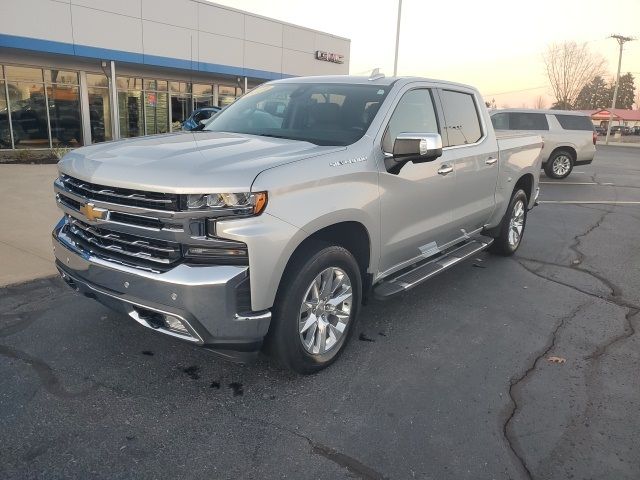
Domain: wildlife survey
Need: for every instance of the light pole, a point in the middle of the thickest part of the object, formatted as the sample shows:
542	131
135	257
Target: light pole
621	41
395	62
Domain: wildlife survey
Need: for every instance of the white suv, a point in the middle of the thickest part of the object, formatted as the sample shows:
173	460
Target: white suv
569	137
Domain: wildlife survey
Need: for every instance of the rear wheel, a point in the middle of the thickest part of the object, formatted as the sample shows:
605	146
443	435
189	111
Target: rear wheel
512	225
559	165
316	308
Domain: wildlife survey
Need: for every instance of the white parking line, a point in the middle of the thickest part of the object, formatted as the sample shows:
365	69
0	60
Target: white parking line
578	183
603	202
568	183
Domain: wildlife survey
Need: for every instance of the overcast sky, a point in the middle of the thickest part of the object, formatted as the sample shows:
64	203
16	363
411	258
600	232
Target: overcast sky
496	45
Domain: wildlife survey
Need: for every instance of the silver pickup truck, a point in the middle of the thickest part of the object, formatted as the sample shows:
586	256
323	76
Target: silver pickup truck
268	227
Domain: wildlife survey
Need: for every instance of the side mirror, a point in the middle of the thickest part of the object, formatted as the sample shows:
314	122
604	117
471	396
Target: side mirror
413	147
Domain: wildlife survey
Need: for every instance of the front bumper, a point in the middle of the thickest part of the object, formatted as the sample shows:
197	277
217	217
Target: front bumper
201	300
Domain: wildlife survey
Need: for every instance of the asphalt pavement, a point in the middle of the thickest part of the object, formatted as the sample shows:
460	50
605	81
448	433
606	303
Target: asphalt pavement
505	368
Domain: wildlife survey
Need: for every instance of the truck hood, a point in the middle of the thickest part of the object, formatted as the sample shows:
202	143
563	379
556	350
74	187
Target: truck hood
185	162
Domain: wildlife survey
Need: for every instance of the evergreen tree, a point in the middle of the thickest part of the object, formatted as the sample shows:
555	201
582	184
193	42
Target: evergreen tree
626	92
594	95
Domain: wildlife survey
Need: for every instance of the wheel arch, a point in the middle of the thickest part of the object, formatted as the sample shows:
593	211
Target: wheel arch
525	182
571	149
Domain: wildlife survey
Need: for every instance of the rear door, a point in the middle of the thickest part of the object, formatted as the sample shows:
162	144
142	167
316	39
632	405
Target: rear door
474	154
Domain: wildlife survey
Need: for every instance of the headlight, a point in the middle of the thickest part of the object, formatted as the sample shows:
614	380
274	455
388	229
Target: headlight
245	203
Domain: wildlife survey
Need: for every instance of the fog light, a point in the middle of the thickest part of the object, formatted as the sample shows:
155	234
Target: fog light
215	252
174	324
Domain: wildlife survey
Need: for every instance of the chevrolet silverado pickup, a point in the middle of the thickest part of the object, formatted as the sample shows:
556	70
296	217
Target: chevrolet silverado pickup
268	227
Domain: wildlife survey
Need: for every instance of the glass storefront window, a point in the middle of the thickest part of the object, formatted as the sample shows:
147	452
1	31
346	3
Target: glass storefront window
181	109
156	111
99	107
202	95
5	131
227	95
130	111
150	84
181	87
200	90
129	83
97	80
99	114
23	73
28	111
64	115
60	76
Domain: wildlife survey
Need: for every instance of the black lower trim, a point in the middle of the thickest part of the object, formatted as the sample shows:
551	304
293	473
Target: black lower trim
582	162
237	352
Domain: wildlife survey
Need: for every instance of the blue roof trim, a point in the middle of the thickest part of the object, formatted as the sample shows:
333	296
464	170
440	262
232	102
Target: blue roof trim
108	54
49	46
12	41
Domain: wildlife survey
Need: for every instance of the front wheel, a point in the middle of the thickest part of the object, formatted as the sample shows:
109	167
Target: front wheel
512	225
559	165
316	308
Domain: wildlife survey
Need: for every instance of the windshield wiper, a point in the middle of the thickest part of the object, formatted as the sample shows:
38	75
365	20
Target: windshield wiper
273	135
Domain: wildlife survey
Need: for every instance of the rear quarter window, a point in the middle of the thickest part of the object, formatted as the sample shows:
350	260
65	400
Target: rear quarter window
500	121
575	122
520	121
528	121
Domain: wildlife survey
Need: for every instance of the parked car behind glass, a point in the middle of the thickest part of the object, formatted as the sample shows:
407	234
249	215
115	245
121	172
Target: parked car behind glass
569	137
198	116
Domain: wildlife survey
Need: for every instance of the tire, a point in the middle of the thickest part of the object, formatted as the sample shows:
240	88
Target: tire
504	243
559	165
296	308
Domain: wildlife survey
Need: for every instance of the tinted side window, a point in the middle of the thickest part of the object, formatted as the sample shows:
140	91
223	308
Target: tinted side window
461	115
575	122
414	113
500	121
528	121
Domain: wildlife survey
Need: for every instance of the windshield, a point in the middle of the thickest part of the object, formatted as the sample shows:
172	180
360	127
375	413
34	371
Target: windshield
323	114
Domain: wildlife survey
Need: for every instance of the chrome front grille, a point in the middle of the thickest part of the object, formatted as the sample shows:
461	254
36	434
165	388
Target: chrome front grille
111	223
133	249
121	196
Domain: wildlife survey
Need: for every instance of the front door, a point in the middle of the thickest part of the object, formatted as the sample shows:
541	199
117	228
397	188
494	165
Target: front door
416	217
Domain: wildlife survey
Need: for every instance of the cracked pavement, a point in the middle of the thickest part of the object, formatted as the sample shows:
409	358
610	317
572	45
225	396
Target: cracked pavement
451	380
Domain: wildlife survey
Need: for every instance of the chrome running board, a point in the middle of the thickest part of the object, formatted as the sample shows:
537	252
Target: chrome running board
421	272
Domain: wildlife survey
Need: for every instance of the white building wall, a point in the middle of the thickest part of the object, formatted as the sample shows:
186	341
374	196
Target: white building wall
193	32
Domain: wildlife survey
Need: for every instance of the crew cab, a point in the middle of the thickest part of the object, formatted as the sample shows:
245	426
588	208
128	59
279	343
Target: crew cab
267	228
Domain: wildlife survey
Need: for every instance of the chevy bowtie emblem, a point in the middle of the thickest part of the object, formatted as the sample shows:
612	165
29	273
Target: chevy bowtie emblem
93	213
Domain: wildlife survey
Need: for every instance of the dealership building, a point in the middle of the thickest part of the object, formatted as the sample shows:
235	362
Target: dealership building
76	72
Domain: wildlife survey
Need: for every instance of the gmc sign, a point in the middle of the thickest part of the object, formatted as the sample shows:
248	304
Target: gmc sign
329	57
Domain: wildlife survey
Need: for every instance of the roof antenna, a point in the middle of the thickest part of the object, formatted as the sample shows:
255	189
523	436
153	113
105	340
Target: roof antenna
375	75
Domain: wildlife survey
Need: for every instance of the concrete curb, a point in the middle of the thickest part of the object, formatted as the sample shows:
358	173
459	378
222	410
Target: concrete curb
619	144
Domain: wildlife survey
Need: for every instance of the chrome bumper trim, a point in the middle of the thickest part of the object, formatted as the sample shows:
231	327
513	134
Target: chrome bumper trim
195	337
203	298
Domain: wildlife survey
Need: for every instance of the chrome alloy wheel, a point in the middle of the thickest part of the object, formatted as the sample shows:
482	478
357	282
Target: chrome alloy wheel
561	165
516	224
325	311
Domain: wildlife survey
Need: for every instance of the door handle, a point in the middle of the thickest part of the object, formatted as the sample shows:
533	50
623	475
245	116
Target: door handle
445	169
490	161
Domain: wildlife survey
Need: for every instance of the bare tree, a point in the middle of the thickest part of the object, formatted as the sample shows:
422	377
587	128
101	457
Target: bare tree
637	99
539	103
570	66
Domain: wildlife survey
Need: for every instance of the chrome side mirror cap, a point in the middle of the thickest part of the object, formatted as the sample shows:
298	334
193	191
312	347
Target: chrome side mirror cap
413	147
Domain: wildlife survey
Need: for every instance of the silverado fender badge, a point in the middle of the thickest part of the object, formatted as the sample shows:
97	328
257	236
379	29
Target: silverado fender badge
347	162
